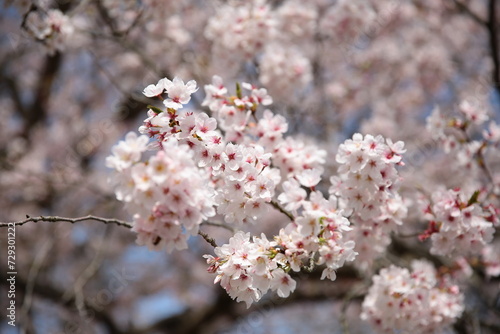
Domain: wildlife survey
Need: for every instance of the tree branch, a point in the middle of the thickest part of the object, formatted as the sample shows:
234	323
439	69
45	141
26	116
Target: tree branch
77	291
208	239
118	222
224	226
50	292
37	264
491	24
14	94
464	8
283	211
493	34
224	309
37	112
54	219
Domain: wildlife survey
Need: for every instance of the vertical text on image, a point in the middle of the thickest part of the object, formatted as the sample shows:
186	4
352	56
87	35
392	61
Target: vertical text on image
11	274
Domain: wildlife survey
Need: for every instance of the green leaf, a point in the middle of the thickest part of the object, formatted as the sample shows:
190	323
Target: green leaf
473	198
238	90
155	109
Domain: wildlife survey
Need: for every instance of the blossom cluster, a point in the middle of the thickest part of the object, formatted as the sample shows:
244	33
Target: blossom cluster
246	161
284	70
248	268
242	29
455	133
366	188
168	195
290	155
251	28
318	233
457	224
461	220
240	170
411	302
316	236
53	28
347	20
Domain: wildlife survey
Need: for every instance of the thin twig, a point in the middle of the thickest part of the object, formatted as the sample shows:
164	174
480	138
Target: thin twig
85	276
49	291
480	156
40	257
136	97
482	164
227	227
137	18
54	219
355	292
283	211
208	239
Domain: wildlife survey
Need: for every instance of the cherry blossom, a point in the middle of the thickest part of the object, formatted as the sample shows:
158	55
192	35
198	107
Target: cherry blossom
412	301
461	227
312	91
156	90
178	92
127	152
54	29
367	185
168	194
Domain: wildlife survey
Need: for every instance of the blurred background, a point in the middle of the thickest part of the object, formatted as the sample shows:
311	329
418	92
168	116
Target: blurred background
71	81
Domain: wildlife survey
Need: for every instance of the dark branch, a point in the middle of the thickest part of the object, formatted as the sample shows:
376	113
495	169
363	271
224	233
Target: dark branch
47	291
283	211
38	109
208	239
224	226
465	9
225	310
492	26
54	219
118	222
